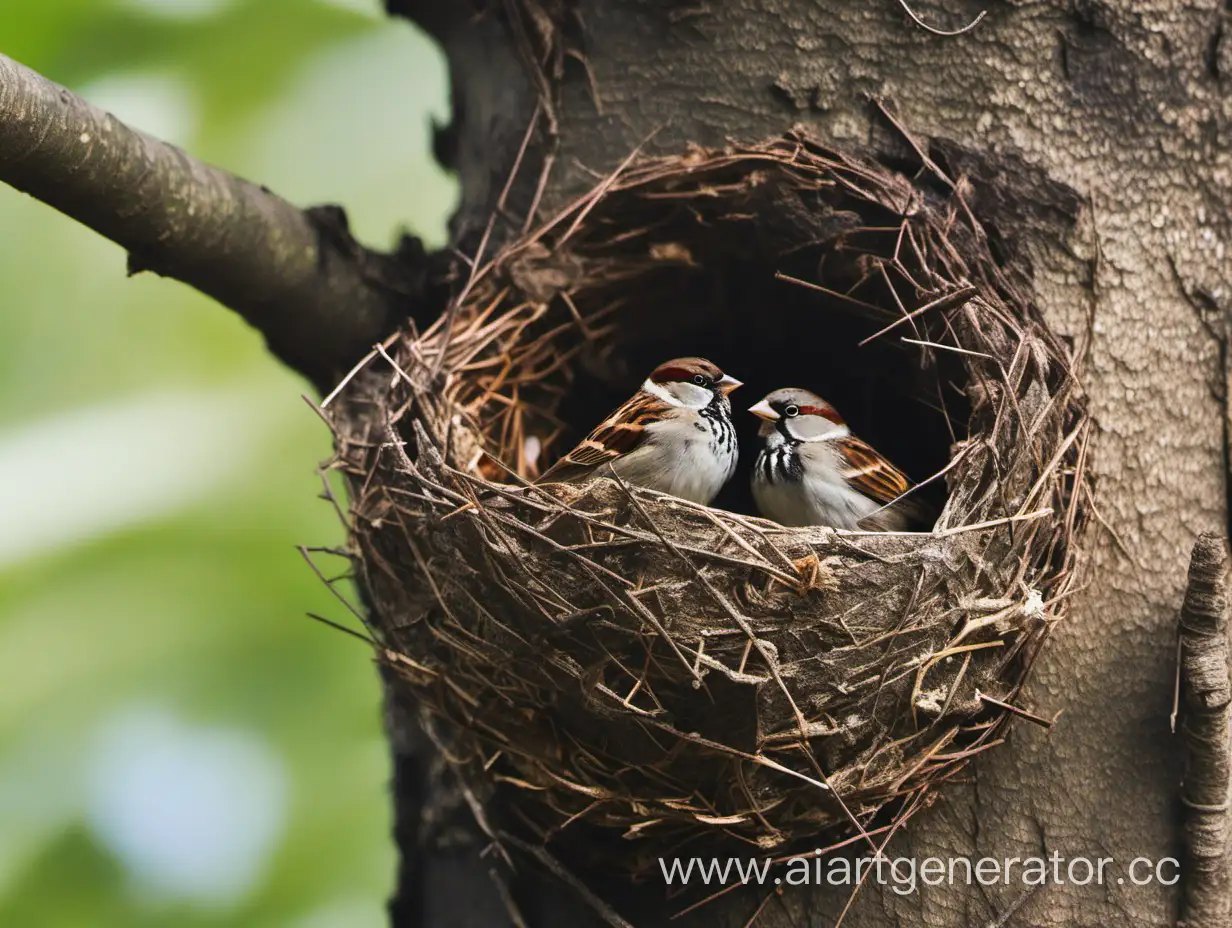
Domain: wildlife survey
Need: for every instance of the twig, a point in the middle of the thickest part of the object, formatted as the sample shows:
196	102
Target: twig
506	898
942	32
920	148
478	269
1206	693
558	870
949	301
809	285
1009	707
901	819
760	908
347	378
298	277
954	348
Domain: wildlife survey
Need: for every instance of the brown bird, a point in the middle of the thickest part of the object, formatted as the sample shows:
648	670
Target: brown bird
674	435
813	471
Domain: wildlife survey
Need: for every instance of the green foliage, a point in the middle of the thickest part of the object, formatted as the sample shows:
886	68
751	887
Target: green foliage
156	474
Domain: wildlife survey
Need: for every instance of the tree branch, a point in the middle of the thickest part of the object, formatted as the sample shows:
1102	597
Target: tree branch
1205	690
319	298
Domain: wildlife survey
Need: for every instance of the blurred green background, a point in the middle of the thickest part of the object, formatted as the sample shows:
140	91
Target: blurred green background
179	744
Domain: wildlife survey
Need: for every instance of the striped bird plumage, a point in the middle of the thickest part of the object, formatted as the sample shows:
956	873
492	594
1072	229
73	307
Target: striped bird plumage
674	435
813	471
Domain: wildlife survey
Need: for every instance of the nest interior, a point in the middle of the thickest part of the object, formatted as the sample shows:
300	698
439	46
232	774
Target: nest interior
614	658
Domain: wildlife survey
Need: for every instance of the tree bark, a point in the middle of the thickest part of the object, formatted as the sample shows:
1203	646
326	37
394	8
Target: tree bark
1126	103
319	298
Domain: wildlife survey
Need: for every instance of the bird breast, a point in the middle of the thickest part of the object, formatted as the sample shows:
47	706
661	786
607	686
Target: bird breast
796	484
690	455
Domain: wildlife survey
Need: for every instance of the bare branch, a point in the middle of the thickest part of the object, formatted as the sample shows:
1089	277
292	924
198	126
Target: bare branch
319	298
1205	687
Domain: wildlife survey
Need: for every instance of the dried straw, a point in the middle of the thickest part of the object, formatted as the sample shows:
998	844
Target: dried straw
612	656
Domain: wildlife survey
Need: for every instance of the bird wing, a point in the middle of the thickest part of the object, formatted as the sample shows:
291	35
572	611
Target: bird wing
871	474
879	480
617	435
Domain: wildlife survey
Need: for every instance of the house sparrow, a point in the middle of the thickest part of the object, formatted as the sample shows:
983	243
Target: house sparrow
813	471
674	435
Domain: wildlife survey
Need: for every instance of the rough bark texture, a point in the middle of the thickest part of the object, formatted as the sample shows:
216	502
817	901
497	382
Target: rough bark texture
318	297
1126	103
1205	696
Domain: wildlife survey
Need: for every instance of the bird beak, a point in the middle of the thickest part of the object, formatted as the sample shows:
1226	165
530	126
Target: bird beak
727	384
763	411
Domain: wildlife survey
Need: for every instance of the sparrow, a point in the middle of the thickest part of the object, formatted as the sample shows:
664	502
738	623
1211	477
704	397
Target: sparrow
813	471
674	435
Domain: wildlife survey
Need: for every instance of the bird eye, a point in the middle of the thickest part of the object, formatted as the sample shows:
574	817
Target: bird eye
700	380
791	411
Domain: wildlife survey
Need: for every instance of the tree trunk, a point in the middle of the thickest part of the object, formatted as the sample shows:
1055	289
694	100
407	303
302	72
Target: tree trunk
1096	133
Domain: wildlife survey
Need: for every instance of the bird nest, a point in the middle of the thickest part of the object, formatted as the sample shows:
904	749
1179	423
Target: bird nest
610	656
